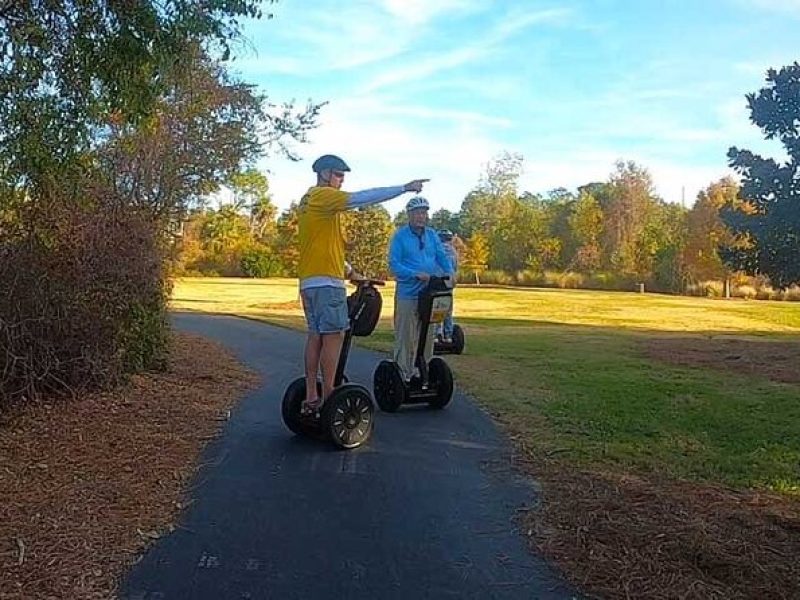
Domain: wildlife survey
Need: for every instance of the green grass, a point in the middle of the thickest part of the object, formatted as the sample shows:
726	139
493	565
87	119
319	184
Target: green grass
566	370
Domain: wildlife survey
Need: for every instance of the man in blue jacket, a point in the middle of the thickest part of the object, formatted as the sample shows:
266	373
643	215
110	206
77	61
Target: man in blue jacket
415	253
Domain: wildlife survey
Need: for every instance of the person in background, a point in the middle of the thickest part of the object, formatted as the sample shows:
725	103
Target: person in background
445	330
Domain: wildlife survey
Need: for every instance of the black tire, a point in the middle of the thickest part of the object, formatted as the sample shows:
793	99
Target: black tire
441	379
458	339
290	409
388	386
349	416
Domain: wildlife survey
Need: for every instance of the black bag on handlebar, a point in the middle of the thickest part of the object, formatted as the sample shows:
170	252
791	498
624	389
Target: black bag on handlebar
364	308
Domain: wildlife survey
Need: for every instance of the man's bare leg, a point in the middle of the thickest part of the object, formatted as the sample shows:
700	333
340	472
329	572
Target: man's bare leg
312	355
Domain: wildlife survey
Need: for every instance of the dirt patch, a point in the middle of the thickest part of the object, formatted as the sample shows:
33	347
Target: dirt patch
625	537
774	360
87	484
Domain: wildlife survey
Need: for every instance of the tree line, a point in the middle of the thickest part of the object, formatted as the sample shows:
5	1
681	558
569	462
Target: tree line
740	237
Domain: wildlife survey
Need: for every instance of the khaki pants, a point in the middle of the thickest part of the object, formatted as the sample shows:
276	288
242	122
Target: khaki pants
406	336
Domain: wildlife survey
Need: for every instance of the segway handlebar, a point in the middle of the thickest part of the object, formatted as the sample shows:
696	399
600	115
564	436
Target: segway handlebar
367	281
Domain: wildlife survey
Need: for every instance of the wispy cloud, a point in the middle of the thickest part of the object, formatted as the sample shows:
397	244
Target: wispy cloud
416	68
417	12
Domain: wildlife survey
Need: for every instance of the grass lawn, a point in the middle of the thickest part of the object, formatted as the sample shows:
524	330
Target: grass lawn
687	388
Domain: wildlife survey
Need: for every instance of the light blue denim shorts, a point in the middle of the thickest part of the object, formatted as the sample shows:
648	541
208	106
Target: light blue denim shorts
326	309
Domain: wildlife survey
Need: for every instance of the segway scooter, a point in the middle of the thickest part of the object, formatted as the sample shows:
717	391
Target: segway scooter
454	346
346	416
434	384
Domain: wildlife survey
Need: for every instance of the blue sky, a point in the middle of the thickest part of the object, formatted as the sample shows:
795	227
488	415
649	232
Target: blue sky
436	88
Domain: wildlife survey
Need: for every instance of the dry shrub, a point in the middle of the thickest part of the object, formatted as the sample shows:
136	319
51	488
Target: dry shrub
792	294
745	291
83	299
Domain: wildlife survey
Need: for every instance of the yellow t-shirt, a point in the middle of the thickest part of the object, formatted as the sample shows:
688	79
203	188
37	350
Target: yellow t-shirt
321	233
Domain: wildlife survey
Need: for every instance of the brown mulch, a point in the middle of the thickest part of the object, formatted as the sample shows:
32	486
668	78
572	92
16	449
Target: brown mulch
774	360
86	484
624	537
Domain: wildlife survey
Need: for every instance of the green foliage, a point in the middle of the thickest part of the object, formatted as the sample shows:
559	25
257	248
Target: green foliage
68	65
251	192
586	229
260	261
769	223
627	206
498	186
146	336
286	244
444	219
368	231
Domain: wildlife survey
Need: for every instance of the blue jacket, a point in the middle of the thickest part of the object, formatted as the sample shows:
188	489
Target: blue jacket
410	254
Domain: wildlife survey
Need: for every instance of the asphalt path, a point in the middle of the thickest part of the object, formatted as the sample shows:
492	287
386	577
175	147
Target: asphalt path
426	509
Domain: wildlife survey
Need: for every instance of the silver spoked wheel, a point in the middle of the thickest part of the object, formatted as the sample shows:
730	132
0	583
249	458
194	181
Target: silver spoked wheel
348	415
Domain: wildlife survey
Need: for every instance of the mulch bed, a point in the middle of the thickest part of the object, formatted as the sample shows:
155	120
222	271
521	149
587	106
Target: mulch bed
623	537
86	484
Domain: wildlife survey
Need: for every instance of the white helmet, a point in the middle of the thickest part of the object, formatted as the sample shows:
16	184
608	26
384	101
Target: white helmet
417	202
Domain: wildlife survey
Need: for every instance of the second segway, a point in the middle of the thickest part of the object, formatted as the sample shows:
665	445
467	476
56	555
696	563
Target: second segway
347	415
451	346
433	385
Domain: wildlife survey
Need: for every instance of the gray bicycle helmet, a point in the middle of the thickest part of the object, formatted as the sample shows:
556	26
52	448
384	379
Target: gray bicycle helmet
329	162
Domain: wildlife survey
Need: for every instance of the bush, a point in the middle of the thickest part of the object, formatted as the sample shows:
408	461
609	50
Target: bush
530	278
791	294
84	299
260	261
495	277
744	291
570	280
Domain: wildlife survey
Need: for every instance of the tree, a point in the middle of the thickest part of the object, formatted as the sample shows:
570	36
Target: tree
197	138
707	234
476	255
444	219
586	229
67	66
769	223
251	191
497	189
368	231
520	238
400	219
627	208
286	243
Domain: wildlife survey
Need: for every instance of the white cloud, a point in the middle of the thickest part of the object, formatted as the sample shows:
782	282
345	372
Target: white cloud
384	151
425	67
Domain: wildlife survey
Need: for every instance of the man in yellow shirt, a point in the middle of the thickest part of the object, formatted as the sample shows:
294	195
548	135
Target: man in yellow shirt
322	267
